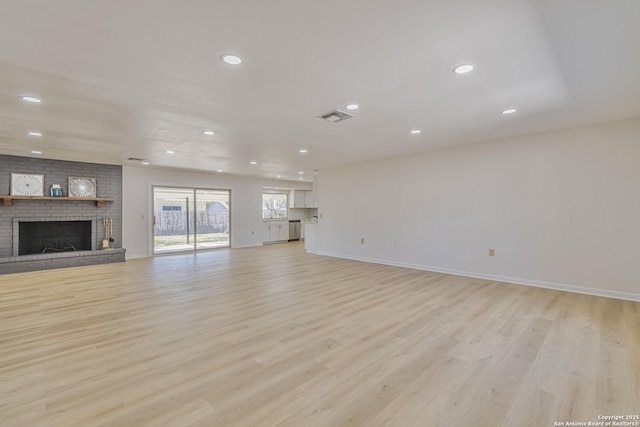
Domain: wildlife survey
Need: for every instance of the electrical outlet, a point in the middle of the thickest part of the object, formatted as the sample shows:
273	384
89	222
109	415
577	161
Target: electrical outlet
362	241
321	216
251	231
492	252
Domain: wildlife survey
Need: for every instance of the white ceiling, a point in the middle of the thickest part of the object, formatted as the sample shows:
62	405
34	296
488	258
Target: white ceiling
123	79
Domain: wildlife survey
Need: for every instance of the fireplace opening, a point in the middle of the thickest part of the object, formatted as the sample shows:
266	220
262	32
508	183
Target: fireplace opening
41	237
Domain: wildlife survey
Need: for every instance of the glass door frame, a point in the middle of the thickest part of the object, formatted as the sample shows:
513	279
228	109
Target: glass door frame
195	248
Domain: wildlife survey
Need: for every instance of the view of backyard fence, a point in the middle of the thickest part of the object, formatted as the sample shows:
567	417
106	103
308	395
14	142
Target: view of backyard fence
170	223
188	219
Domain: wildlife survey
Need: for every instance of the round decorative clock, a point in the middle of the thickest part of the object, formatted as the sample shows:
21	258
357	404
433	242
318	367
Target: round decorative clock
82	187
27	184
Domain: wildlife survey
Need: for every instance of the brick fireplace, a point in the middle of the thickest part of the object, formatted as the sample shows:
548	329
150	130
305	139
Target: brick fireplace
45	234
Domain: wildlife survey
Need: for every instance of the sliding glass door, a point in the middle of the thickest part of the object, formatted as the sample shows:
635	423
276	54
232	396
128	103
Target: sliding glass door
212	218
188	219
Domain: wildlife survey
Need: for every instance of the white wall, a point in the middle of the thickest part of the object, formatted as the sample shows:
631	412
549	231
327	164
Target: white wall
246	201
561	209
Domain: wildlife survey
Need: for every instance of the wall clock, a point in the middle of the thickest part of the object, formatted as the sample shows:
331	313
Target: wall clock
82	187
23	184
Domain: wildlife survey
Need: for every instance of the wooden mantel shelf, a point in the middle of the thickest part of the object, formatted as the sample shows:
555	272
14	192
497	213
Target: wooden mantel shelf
100	201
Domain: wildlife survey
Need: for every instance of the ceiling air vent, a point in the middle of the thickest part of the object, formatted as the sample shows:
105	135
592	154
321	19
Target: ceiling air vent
135	159
336	116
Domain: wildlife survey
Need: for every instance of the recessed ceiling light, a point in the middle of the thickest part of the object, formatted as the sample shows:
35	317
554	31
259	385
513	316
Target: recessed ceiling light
170	152
231	59
416	131
208	132
145	163
301	172
352	106
464	68
32	133
301	177
278	176
36	152
509	111
30	99
303	150
254	162
219	170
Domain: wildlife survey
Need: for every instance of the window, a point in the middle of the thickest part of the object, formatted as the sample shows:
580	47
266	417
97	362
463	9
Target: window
190	219
274	206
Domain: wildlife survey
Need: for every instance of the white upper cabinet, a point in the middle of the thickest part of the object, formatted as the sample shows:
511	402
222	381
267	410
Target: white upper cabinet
308	199
302	199
298	199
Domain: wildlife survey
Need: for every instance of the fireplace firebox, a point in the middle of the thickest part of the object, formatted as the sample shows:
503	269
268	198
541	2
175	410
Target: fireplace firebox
40	237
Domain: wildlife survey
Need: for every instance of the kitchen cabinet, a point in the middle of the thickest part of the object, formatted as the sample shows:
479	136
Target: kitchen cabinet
302	199
266	231
280	231
275	231
308	199
297	199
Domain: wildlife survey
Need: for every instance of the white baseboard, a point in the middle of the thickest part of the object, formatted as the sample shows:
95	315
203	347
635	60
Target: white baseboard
515	280
129	256
134	256
247	245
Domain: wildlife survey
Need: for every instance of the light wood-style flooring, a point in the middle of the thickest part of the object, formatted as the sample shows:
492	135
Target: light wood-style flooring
273	336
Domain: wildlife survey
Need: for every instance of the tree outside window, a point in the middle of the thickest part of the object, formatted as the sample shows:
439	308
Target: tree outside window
274	206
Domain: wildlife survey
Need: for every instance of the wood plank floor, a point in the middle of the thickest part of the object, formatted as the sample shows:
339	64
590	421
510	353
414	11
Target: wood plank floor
273	336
